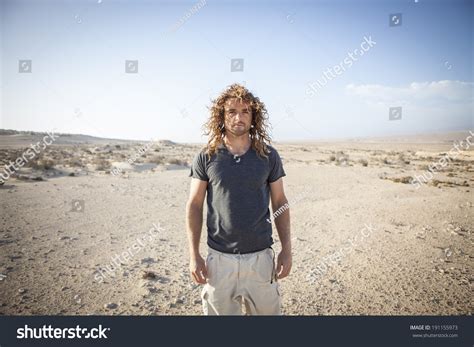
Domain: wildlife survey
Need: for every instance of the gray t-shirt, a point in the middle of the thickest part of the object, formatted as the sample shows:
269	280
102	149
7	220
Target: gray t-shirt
238	197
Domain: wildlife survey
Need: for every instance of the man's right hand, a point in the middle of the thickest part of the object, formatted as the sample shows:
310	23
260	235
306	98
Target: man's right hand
197	267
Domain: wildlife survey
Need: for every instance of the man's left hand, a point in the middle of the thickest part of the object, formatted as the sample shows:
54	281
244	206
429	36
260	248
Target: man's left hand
284	262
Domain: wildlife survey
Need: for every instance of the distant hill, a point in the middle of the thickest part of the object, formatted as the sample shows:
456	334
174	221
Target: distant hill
15	138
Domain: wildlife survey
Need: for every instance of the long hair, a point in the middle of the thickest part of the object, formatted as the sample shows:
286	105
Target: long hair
214	127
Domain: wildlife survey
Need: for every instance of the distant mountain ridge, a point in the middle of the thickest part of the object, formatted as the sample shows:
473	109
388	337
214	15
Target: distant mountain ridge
9	137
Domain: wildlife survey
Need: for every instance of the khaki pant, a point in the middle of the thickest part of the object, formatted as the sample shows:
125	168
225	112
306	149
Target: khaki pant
236	279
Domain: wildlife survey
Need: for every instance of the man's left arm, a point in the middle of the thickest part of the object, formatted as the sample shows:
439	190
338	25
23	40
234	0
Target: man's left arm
281	214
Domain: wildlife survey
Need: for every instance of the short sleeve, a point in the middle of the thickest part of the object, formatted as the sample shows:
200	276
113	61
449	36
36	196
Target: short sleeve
276	166
198	167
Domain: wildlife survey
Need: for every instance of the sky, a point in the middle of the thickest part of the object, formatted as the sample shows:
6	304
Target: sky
324	69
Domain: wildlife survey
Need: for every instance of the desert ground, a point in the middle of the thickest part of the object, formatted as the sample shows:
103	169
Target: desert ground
366	241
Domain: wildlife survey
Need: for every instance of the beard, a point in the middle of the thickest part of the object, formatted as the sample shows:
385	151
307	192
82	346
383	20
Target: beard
238	131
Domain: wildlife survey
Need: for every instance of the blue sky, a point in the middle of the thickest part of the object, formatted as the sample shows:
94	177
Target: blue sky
78	50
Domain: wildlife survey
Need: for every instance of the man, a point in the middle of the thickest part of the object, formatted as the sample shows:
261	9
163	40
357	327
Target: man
239	172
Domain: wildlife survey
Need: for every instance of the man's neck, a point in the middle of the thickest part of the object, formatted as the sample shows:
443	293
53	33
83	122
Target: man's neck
237	145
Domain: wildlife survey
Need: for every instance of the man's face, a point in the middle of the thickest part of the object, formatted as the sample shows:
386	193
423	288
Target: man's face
237	117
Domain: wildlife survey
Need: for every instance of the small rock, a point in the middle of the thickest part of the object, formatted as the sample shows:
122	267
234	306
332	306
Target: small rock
152	289
163	280
21	290
149	275
111	305
148	260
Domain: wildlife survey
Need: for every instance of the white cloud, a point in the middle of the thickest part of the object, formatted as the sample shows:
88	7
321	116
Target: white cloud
416	93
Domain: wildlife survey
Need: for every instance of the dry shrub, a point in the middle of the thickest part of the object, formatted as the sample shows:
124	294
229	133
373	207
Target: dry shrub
177	161
404	179
41	164
101	164
74	162
156	159
342	158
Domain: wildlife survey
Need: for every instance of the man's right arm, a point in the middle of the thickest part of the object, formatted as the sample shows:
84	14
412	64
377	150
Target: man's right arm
194	211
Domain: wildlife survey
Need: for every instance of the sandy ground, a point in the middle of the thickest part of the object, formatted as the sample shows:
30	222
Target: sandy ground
365	240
